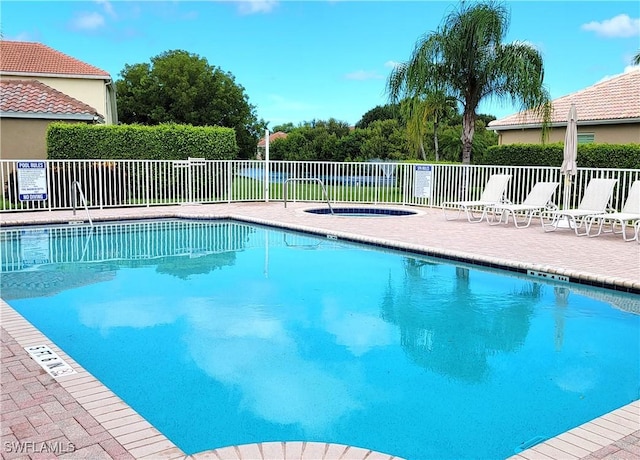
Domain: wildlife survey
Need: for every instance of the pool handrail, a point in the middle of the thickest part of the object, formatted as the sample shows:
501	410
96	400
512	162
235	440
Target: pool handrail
324	190
83	200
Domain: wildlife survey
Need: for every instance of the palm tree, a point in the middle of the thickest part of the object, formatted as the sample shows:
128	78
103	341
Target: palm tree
436	106
636	58
466	59
440	107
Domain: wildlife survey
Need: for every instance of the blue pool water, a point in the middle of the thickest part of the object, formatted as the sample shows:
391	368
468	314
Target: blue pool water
222	333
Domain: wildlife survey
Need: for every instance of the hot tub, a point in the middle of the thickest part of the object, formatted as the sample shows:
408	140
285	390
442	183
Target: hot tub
362	212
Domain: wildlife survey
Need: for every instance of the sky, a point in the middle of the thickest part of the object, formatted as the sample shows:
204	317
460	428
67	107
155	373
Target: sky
310	60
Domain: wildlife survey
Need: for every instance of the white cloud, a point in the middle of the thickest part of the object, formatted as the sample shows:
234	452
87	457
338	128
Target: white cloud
358	332
392	64
253	355
628	58
618	26
627	69
136	312
256	6
363	75
88	21
107	7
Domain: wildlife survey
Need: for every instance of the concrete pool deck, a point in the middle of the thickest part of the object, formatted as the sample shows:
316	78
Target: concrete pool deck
81	418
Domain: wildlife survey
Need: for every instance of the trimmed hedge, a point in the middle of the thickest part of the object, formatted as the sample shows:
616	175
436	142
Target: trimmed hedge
136	142
624	156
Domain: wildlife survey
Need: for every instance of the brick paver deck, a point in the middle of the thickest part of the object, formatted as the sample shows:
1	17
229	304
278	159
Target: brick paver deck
77	417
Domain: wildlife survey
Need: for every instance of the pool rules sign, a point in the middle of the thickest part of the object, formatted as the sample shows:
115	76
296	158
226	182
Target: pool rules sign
422	182
32	181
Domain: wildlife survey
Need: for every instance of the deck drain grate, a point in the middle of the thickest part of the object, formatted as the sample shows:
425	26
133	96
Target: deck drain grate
49	360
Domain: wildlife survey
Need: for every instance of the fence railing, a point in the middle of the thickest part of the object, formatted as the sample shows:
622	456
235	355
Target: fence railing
122	183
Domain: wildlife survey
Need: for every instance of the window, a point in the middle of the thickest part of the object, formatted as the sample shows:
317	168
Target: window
586	138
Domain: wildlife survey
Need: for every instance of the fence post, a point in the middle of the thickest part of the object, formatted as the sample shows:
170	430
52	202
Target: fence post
229	184
102	190
266	166
147	191
403	182
48	176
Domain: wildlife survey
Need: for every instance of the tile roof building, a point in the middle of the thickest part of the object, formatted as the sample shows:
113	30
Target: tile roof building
262	143
272	137
32	99
28	58
608	112
39	85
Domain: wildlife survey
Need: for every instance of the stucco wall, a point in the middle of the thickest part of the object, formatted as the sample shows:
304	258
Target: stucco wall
603	134
23	139
91	92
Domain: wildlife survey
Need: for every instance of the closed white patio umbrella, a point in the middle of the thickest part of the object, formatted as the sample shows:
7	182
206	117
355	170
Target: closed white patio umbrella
569	167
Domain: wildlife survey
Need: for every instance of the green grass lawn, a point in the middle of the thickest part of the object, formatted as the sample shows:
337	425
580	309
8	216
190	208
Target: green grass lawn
246	189
312	191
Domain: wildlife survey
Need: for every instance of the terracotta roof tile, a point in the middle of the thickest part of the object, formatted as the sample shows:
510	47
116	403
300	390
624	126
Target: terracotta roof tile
272	137
33	97
35	59
617	98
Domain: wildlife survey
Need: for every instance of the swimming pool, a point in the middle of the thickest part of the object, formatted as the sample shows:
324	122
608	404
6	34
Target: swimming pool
391	351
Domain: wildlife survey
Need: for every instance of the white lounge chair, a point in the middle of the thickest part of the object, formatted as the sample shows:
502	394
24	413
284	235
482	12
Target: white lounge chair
492	194
630	214
538	200
595	200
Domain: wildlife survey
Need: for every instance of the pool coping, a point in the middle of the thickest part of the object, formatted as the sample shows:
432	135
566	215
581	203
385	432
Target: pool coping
141	439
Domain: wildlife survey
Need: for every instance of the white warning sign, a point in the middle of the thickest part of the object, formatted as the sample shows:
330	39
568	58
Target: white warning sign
422	181
32	181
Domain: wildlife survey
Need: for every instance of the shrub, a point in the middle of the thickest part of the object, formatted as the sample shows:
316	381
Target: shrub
623	156
135	142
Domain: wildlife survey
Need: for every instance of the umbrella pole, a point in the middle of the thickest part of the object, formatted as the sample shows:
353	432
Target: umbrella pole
568	168
566	200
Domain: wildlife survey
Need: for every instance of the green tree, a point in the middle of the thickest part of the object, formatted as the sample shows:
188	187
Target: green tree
450	144
313	140
180	87
466	59
297	146
285	128
486	119
379	112
483	139
332	126
436	107
636	58
385	141
350	146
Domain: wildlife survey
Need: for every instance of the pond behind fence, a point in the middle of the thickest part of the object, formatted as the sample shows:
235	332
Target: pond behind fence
129	183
